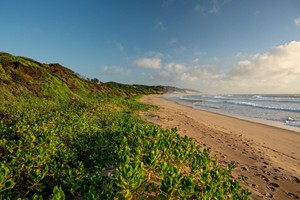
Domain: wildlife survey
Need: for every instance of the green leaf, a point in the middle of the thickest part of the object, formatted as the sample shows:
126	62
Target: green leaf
58	193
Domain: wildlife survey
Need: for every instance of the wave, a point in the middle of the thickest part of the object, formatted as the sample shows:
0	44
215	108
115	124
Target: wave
281	108
189	99
207	106
274	99
289	104
292	122
241	98
263	106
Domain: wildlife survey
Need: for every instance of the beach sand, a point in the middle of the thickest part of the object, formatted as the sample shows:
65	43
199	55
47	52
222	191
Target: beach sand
268	156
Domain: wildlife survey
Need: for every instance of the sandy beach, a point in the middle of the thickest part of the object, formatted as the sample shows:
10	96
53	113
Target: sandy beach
268	156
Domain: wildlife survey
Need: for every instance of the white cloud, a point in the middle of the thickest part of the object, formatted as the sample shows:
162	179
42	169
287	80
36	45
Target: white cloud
188	77
215	59
105	69
158	25
115	70
195	61
183	74
239	55
211	7
151	60
175	67
297	21
204	73
164	74
215	7
282	61
275	70
152	63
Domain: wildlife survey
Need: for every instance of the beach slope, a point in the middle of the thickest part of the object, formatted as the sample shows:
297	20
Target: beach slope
267	155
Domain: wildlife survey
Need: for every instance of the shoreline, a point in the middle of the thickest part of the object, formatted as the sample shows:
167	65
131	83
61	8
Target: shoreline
267	155
271	123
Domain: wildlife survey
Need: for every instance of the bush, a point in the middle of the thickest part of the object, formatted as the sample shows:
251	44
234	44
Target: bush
102	150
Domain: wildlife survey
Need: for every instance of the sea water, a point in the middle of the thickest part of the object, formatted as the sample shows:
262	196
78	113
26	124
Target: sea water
279	108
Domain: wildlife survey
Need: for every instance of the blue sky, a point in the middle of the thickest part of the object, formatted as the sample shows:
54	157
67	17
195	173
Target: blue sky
215	46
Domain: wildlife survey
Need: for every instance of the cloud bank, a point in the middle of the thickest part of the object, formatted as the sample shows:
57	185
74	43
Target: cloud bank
154	63
275	71
115	70
281	61
151	60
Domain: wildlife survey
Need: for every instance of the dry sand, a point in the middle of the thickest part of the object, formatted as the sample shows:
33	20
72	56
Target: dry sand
268	156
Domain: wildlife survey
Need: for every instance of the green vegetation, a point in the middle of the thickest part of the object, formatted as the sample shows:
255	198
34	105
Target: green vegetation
64	137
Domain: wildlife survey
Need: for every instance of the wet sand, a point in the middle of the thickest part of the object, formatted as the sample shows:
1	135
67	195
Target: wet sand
268	156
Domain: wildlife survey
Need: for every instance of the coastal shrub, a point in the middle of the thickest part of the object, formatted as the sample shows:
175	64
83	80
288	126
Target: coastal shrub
102	150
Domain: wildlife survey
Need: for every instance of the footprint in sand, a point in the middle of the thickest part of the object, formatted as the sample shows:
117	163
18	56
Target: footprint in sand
266	172
245	168
266	163
223	162
275	185
263	177
269	195
271	188
292	195
276	170
295	179
277	178
252	158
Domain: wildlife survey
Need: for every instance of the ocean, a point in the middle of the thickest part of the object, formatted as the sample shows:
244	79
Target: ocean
282	109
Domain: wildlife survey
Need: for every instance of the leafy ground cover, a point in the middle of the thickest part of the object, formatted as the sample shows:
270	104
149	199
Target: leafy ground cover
102	150
64	137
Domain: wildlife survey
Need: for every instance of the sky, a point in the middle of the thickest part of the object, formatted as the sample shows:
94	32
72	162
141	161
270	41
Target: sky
214	46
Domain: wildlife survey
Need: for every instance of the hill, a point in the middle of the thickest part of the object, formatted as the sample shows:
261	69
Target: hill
23	77
145	89
65	137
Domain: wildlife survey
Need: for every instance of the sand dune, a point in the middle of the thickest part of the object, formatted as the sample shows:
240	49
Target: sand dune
268	156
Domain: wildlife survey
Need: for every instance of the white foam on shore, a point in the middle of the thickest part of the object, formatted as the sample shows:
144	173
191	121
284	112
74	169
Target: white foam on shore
264	121
286	124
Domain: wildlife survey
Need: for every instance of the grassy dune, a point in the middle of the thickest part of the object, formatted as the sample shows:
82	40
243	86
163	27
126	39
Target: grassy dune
65	137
